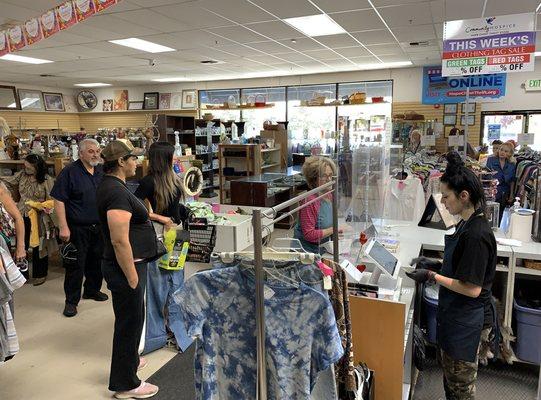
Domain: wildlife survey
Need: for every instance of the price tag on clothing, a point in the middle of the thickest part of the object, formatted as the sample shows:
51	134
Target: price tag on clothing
428	140
268	293
327	283
525	138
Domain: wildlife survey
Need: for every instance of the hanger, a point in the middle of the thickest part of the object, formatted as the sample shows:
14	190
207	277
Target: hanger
269	254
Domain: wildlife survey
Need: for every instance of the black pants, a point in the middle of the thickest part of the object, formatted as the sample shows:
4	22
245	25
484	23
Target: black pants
40	266
129	309
88	241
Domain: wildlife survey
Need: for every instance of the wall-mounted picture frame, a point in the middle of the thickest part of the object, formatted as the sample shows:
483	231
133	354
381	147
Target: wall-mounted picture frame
121	100
165	101
53	102
107	105
9	100
31	100
471	108
449	120
176	100
450	108
189	99
135	105
471	120
151	101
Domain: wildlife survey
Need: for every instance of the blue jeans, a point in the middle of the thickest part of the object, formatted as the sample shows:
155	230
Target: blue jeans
162	311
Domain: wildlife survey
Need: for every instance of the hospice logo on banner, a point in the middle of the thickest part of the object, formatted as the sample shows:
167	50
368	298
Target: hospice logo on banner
438	89
489	45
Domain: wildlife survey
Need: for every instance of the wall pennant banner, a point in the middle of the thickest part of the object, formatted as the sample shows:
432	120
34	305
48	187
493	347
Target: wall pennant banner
103	4
4	47
66	15
84	9
16	38
32	31
49	23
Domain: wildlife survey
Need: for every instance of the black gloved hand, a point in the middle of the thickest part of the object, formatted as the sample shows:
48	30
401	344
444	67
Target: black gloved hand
426	263
421	275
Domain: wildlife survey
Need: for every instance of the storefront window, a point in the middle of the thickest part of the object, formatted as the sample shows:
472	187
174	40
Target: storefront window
214	98
502	126
255	118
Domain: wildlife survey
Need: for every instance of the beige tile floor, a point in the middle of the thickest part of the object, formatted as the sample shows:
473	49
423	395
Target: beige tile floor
62	358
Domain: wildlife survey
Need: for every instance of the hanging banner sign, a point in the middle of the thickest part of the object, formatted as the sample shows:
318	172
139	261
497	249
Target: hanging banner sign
103	4
489	45
16	38
4	47
66	15
84	9
32	31
49	23
446	90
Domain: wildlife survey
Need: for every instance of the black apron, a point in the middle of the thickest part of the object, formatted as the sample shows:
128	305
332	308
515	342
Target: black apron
460	318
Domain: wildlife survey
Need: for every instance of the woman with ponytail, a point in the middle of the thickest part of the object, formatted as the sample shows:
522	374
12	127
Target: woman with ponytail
465	310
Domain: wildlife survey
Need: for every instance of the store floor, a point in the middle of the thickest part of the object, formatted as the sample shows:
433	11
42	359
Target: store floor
63	358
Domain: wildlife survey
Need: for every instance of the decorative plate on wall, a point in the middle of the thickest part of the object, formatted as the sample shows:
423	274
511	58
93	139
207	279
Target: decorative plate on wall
87	100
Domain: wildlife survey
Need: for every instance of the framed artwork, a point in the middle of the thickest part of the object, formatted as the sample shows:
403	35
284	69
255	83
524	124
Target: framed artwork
9	99
121	100
151	101
471	120
189	99
450	108
53	101
176	100
471	108
165	101
449	119
31	99
107	105
135	105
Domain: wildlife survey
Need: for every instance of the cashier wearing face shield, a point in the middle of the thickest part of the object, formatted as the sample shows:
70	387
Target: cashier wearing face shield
465	310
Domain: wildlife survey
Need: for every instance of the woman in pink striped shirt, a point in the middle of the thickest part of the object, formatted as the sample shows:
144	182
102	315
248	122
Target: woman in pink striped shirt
315	220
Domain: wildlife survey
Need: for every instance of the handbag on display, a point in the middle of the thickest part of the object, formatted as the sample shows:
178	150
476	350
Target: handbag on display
7	225
365	383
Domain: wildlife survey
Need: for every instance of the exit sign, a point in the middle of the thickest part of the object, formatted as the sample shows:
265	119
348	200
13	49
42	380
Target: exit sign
532	85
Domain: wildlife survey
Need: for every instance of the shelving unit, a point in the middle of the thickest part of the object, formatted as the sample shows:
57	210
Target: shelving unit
344	105
245	160
242	107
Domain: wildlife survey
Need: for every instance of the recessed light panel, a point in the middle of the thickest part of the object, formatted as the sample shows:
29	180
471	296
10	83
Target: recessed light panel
142	45
316	25
23	59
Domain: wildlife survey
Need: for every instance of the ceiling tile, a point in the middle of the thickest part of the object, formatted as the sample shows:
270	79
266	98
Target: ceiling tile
439	30
157	3
381	3
340	62
238	34
394	58
288	8
420	49
356	51
153	20
293	57
322	54
16	12
378	36
457	9
191	14
330	6
381	49
245	51
276	30
236	10
335	41
115	24
121	6
510	7
195	38
365	60
353	21
303	44
271	47
415	33
406	15
425	55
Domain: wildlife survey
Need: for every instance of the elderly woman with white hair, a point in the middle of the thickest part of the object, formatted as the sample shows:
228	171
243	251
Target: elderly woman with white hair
75	203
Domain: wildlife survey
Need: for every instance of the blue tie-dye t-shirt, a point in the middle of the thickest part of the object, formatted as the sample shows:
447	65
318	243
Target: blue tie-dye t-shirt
301	335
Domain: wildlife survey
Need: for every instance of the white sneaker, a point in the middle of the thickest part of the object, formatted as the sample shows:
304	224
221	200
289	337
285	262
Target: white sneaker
144	391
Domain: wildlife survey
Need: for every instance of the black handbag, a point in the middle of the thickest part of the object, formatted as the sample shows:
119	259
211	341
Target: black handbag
142	246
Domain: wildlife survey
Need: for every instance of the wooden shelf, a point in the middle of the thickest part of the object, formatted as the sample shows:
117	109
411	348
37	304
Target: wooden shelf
138	111
344	105
270	165
238	108
269	150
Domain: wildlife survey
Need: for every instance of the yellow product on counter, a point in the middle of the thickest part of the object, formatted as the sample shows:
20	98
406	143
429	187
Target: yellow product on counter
176	241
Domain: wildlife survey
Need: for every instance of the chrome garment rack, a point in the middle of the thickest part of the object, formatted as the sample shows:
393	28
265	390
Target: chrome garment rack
258	215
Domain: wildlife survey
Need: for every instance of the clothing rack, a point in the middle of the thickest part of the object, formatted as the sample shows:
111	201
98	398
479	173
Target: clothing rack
329	187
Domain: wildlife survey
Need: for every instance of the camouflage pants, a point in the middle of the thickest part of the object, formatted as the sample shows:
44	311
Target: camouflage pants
459	376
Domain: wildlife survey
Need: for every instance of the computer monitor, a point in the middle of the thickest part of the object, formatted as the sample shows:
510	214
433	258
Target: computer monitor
385	261
447	221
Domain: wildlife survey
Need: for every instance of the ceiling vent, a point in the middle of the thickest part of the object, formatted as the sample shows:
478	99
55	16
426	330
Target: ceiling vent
211	62
48	76
420	44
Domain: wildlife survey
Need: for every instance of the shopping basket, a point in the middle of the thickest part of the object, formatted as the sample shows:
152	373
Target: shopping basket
202	240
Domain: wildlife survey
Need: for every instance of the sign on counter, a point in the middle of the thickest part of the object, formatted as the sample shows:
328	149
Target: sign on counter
525	138
480	46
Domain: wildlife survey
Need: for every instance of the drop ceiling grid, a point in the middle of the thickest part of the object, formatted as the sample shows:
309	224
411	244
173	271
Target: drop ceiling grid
245	34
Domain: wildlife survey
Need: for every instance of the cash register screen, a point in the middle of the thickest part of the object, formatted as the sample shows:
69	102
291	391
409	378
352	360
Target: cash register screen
383	257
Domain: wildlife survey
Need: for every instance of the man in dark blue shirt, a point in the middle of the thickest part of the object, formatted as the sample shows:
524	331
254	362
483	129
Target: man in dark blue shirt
74	196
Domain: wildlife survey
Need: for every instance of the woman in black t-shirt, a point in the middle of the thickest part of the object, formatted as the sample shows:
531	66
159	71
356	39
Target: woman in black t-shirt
465	311
162	192
128	239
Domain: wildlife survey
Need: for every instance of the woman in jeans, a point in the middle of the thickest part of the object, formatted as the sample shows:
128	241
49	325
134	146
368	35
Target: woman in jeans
125	226
33	184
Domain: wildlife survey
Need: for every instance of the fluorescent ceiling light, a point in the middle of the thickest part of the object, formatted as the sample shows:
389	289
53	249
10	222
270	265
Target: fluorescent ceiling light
178	79
143	45
385	65
23	59
315	25
96	84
